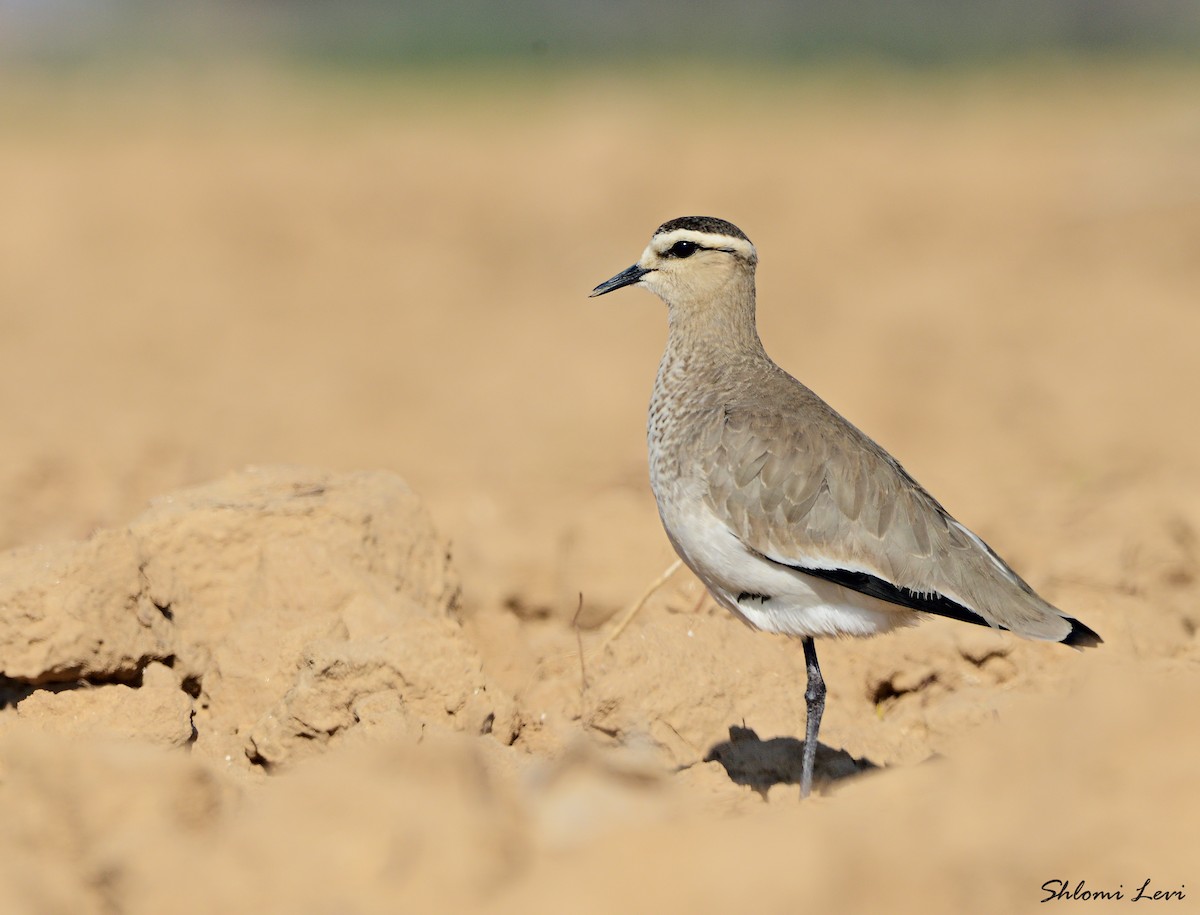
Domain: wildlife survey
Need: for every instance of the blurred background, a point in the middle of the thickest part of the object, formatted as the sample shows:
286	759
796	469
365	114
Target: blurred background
370	33
362	235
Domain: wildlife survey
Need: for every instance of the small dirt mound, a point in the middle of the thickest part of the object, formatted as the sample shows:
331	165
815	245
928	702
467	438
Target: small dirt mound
269	613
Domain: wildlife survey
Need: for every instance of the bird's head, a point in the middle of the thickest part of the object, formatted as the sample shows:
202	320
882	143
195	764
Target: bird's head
691	260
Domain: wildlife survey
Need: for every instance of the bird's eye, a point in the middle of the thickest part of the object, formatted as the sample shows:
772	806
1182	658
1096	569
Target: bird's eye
683	249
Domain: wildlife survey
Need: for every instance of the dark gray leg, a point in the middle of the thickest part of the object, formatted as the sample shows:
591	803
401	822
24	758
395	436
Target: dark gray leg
814	696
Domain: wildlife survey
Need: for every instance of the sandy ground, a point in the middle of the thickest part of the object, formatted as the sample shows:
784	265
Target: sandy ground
359	677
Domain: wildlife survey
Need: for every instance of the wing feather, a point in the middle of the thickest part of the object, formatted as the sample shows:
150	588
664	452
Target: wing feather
823	496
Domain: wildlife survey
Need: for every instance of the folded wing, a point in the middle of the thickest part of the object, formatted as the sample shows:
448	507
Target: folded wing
825	500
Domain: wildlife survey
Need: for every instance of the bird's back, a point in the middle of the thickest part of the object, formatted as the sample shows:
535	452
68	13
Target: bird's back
800	487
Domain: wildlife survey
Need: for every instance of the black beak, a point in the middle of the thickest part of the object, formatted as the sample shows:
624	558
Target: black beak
624	278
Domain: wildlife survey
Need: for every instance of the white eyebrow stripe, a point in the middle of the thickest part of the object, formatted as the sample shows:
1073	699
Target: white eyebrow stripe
711	240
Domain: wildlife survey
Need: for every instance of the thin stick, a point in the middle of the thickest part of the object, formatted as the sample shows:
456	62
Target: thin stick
583	683
637	605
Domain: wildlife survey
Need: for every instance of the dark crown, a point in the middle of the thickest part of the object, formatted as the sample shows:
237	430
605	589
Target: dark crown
702	224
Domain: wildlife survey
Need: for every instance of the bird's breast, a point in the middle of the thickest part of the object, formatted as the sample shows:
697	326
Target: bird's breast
675	434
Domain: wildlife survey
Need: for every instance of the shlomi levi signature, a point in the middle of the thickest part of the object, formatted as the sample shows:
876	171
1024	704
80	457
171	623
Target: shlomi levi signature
1062	889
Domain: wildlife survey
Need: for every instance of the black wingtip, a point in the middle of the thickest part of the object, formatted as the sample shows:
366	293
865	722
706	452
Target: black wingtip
1081	636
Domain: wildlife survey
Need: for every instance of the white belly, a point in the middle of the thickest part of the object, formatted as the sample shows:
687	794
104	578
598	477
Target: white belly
795	604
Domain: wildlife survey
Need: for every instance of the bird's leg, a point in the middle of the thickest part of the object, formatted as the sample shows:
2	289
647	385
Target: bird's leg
814	696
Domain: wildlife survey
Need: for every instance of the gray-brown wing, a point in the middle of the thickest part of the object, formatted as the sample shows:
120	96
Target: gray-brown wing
806	489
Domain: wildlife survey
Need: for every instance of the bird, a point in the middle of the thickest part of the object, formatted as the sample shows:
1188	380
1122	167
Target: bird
795	520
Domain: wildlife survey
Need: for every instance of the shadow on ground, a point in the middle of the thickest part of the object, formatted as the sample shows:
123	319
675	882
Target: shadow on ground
760	764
